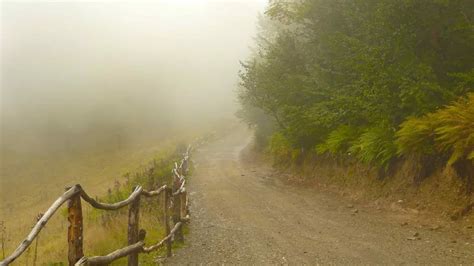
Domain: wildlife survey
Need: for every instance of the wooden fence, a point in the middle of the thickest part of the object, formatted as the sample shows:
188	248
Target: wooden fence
175	208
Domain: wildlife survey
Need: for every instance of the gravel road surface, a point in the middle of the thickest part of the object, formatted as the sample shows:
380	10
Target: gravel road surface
242	214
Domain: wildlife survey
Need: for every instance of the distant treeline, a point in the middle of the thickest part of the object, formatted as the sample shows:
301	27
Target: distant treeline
372	80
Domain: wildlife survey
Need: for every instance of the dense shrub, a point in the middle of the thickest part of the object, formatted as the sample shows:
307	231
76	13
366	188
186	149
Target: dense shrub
455	130
376	146
281	148
449	130
377	66
339	140
416	135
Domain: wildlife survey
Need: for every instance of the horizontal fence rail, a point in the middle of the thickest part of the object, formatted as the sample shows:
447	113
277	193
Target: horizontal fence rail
175	208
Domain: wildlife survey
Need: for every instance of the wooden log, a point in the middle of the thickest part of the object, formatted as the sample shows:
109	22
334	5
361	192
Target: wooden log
186	219
126	251
176	174
185	164
133	223
113	206
168	238
40	224
166	220
74	235
115	255
35	257
154	193
181	188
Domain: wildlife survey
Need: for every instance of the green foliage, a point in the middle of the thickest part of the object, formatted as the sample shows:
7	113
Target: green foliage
281	148
455	134
376	146
262	124
339	140
320	64
416	135
448	130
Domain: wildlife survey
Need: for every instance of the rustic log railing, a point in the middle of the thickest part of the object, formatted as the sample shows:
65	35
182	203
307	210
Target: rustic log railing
175	197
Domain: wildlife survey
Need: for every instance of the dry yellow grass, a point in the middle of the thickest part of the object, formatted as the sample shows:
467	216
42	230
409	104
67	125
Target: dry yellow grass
30	185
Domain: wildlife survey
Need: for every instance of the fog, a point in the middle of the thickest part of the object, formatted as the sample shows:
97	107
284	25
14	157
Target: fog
80	70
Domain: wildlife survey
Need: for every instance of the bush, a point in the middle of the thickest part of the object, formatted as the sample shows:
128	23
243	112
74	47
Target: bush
281	148
376	146
339	140
447	131
455	129
416	135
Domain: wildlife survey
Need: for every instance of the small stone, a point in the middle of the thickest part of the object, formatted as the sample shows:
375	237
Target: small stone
416	234
469	227
354	211
454	241
404	224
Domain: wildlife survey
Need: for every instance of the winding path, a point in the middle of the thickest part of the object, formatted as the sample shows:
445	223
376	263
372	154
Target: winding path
244	215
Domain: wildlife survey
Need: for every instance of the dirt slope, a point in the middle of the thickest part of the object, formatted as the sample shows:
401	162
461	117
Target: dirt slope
242	214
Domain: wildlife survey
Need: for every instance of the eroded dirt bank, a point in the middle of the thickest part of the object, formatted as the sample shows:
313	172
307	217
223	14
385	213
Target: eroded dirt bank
243	214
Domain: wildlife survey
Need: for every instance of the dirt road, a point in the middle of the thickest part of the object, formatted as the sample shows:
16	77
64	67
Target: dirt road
242	214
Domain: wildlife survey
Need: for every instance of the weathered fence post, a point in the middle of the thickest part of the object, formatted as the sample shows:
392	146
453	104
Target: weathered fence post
166	219
185	166
133	237
74	236
177	217
183	210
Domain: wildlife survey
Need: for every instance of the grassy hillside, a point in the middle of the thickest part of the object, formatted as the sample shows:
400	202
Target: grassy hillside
30	184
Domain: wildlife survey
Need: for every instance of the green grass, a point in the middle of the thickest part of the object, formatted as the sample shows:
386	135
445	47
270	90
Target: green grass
103	232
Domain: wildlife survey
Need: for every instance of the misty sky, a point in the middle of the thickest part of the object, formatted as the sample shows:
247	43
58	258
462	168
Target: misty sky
69	63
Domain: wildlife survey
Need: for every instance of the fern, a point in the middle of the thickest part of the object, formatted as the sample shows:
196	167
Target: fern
447	131
416	135
376	146
339	140
456	132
